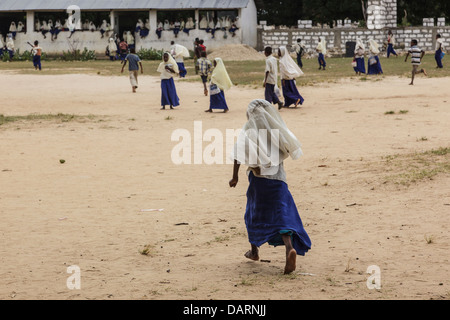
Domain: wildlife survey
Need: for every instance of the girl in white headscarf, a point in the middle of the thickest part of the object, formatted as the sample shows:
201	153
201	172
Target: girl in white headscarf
360	50
20	27
168	69
112	49
13	29
10	47
103	28
322	50
289	71
374	65
220	82
180	52
129	39
271	214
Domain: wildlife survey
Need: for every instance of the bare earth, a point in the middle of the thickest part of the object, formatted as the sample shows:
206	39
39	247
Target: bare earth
93	210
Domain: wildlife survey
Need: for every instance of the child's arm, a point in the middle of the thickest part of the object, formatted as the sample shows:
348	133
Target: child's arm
233	182
123	66
421	57
142	69
265	79
406	58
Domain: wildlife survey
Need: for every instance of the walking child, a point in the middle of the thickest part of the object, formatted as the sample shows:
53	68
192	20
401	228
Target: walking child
133	67
271	214
360	50
271	79
168	69
439	52
300	51
204	69
180	52
220	81
374	65
322	50
289	71
416	59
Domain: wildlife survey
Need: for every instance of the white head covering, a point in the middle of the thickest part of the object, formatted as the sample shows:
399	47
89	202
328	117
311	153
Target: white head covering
374	47
166	25
179	50
20	26
265	141
129	37
171	61
112	46
288	68
12	27
1	41
220	75
322	46
140	23
359	44
10	43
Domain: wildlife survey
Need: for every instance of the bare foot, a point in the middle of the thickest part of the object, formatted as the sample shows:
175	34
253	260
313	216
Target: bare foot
411	84
251	255
206	92
290	261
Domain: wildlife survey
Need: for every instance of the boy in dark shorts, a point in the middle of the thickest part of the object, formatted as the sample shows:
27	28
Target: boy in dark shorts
204	67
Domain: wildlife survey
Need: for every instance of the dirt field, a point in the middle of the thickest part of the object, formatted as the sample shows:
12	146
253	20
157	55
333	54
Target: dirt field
357	189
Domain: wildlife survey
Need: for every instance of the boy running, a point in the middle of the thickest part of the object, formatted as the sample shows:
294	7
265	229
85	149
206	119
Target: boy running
416	58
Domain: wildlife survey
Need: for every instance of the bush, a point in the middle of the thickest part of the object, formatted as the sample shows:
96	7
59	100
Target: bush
150	54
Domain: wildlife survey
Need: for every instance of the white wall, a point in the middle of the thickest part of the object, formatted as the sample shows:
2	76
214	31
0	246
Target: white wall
93	40
249	21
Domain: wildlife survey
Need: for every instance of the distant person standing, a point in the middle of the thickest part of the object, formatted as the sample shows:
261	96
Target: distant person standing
197	53
391	44
133	67
205	68
168	68
300	51
112	49
10	47
416	59
439	54
322	50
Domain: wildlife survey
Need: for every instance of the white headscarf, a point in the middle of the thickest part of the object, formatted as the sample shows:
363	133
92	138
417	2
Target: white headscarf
10	43
288	68
179	50
374	47
265	141
112	46
171	61
140	23
12	27
220	76
359	44
129	38
1	41
322	46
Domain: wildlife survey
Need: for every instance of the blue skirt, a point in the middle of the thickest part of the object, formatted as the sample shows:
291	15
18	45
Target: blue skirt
290	93
169	93
217	101
182	68
360	67
271	211
374	68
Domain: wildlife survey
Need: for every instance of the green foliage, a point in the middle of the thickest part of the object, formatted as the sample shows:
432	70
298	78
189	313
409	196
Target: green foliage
150	54
78	55
18	56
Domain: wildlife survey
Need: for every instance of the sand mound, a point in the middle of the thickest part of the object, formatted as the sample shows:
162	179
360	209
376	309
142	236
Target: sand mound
236	52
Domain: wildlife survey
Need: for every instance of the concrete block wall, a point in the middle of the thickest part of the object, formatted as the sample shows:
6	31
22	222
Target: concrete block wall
337	38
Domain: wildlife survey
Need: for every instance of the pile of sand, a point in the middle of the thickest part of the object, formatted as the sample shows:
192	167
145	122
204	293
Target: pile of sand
236	52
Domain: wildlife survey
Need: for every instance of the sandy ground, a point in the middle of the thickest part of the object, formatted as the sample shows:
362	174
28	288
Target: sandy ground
88	211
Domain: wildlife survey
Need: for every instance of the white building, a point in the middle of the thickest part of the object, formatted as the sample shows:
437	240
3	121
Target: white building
122	16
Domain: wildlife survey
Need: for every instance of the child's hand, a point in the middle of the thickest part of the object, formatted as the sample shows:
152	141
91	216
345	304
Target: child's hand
233	182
